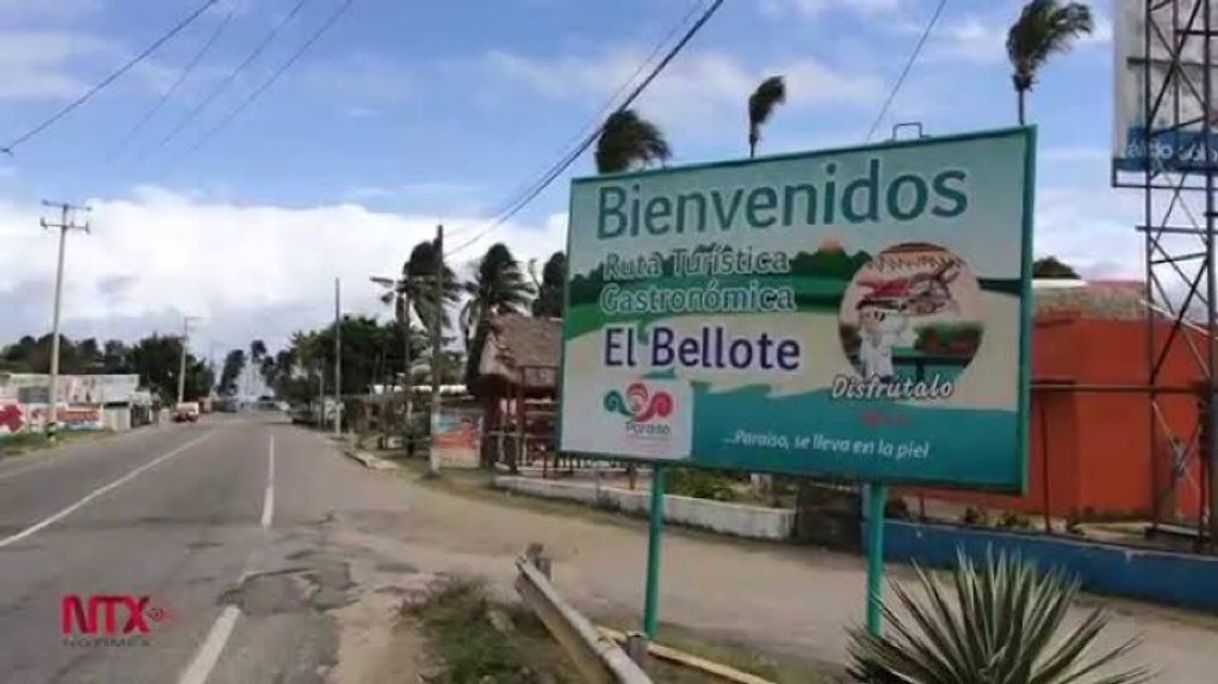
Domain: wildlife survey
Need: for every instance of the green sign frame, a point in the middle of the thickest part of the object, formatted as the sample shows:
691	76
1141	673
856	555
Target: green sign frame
860	312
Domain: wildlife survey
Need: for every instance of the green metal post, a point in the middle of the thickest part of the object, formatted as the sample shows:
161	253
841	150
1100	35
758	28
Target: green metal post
877	496
655	529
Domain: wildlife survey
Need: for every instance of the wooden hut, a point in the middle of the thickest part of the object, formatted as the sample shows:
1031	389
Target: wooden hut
516	385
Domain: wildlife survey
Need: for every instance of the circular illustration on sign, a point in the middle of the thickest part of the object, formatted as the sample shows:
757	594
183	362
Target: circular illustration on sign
913	312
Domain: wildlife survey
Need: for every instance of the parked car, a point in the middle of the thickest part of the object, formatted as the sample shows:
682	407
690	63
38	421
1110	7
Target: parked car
186	412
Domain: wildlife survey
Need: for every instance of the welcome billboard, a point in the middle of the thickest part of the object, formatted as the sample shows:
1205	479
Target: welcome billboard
858	312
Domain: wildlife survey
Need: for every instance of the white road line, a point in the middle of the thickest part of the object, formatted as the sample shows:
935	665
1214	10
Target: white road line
268	501
98	492
209	651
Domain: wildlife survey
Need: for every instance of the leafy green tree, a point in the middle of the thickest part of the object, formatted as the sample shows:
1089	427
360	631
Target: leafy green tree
762	103
115	357
627	140
1000	621
549	302
1051	267
234	364
155	359
1044	28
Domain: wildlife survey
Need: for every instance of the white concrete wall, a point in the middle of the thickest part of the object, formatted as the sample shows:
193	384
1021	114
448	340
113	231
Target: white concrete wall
116	419
754	522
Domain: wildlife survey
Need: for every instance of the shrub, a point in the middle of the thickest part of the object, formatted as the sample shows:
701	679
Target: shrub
975	516
1000	621
701	484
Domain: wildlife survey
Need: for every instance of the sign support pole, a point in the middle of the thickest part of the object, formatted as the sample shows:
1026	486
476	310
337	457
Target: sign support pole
655	530
877	496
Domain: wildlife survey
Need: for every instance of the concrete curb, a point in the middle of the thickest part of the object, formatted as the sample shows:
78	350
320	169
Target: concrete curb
740	520
369	461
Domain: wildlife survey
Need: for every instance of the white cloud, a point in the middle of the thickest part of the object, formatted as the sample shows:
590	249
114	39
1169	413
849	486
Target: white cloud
1075	153
57	64
52	9
36	64
357	81
982	39
972	39
270	268
422	189
814	8
1091	228
692	88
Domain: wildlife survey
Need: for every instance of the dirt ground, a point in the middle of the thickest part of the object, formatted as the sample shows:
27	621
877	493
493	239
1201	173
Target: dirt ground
788	601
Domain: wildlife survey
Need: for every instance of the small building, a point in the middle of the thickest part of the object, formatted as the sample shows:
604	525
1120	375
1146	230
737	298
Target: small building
516	385
85	402
1089	444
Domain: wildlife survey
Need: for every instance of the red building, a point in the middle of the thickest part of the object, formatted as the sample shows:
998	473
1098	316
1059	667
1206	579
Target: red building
1089	451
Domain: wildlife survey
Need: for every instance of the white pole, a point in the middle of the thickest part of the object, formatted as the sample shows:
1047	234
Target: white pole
182	360
53	416
338	358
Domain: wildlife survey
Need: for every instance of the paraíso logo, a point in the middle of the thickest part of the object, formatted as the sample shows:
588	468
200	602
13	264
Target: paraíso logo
643	410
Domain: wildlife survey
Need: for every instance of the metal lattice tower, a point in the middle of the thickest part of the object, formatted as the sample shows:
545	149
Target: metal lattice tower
1176	167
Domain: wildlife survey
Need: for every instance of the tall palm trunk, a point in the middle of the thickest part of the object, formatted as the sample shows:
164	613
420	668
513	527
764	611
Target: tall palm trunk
1019	95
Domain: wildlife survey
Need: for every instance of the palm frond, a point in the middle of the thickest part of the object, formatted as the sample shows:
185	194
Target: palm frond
762	103
627	140
1044	28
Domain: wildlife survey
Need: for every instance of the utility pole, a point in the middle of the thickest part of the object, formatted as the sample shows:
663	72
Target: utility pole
433	460
338	358
66	223
186	321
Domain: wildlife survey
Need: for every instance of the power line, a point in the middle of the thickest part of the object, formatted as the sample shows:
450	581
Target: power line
598	118
64	111
300	52
232	75
913	57
566	162
186	72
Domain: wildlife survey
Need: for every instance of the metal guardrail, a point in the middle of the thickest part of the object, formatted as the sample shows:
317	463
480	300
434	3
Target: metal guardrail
597	657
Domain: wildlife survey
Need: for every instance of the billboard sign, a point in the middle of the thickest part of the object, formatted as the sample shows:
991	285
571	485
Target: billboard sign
1174	141
859	312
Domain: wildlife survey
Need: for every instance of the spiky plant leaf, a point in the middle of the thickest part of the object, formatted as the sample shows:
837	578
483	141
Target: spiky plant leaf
1003	625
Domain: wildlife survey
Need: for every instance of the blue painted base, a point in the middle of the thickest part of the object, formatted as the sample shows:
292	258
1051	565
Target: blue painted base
1180	579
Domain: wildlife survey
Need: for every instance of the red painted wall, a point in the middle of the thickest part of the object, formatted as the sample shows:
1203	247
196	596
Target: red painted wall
1098	443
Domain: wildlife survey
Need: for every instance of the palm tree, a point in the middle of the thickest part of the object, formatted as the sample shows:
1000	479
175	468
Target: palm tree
499	287
549	302
771	93
415	292
257	353
627	140
1044	28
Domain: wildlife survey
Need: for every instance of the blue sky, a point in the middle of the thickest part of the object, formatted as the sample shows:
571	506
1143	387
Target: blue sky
406	113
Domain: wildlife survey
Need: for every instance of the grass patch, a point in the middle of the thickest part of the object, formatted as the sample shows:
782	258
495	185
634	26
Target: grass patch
456	617
27	442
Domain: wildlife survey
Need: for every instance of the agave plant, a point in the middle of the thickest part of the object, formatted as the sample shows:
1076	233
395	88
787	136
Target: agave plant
1002	626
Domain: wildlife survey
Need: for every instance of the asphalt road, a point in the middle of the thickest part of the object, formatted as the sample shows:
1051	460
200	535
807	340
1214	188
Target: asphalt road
221	525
